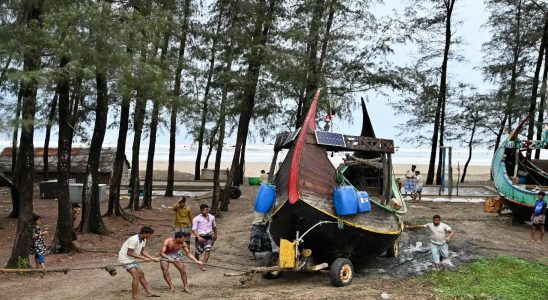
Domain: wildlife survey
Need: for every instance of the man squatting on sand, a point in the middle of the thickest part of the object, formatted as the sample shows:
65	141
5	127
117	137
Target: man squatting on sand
171	253
440	234
205	230
134	247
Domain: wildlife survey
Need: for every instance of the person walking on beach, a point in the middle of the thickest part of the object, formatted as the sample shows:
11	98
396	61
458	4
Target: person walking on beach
205	230
440	234
183	218
418	187
259	241
134	247
538	217
409	184
171	253
264	177
38	243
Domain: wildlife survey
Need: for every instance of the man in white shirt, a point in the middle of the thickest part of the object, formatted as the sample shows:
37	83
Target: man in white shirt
440	234
134	247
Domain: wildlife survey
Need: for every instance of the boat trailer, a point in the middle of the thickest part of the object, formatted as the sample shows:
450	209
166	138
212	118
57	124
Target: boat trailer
291	259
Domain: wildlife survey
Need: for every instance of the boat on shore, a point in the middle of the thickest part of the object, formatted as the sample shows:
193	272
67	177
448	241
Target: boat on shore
306	182
518	178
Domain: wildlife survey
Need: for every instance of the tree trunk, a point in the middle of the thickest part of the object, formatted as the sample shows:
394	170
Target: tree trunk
92	222
439	119
138	120
45	156
172	145
256	59
24	171
62	241
147	199
241	165
514	72
15	200
149	173
211	143
114	207
470	146
540	117
220	141
534	90
205	102
313	75
16	125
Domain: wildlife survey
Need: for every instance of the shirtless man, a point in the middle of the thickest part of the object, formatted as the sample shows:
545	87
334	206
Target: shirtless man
171	253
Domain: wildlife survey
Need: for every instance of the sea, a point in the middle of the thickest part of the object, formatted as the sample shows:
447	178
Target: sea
262	153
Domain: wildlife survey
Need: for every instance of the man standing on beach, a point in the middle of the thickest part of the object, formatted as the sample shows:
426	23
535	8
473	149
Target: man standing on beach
440	234
171	253
205	230
538	216
264	177
134	247
409	184
183	218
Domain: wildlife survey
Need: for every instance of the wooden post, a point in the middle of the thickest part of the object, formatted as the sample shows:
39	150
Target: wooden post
388	178
450	173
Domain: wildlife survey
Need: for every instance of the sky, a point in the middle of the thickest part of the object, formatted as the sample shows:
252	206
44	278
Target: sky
473	15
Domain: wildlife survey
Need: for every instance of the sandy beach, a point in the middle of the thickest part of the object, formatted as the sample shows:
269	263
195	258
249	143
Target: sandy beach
253	169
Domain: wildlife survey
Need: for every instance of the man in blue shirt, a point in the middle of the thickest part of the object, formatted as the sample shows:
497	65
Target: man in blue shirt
538	216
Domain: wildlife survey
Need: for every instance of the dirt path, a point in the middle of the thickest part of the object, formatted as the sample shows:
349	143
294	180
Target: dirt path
477	234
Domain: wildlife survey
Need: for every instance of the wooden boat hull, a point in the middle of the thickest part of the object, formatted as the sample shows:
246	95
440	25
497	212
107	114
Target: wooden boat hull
327	241
304	197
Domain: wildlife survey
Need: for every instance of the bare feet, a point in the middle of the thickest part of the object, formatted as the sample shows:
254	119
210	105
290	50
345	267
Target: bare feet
203	268
186	290
172	289
152	295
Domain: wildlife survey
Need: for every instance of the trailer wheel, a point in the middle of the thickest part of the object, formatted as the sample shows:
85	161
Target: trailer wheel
342	272
269	260
393	251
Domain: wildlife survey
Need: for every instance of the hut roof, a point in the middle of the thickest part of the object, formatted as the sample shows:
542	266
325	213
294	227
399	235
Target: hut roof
78	163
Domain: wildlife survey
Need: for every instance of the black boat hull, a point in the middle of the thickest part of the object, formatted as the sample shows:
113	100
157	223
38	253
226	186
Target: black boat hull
327	241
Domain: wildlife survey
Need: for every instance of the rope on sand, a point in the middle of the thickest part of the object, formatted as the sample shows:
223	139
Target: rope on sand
111	269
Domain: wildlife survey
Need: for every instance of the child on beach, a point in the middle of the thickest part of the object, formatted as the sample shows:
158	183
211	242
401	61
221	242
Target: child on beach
418	186
38	243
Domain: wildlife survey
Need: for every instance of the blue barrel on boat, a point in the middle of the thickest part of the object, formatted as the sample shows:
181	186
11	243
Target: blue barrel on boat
522	179
345	200
364	205
265	198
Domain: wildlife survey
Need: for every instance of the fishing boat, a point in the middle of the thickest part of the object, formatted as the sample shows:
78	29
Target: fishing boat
517	178
305	184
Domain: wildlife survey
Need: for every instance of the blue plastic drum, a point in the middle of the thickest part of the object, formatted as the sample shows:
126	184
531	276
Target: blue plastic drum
345	200
265	198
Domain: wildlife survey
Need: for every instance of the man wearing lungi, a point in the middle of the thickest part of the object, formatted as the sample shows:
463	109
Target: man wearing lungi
259	241
440	234
410	181
171	253
205	230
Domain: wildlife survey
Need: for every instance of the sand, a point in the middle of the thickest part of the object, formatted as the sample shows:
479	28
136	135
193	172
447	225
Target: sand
253	169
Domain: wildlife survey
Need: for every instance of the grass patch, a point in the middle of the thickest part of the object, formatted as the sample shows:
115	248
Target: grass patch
503	277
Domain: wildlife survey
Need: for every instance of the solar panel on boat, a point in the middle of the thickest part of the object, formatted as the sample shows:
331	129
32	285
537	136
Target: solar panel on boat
330	138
